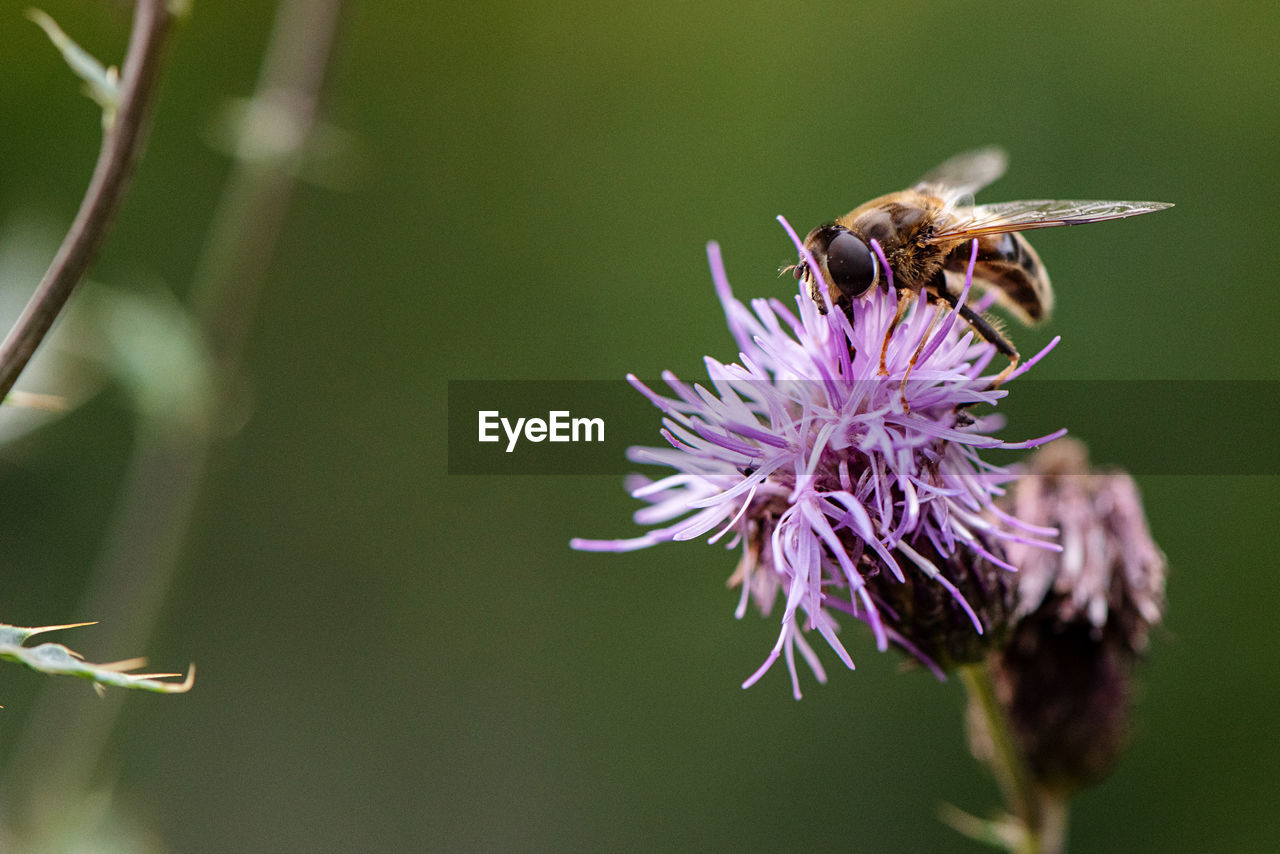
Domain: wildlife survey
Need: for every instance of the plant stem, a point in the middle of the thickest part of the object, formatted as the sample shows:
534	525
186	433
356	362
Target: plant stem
167	469
122	145
1042	817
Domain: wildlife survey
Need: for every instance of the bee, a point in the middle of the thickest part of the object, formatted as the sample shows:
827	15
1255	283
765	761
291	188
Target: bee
925	234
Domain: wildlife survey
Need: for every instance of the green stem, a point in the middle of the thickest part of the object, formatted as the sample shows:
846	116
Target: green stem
1054	812
1041	816
157	504
122	145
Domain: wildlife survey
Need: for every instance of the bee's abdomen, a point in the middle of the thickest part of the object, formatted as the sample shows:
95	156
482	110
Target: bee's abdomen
1008	264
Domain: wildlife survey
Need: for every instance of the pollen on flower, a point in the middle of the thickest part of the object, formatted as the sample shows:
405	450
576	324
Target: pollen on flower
848	491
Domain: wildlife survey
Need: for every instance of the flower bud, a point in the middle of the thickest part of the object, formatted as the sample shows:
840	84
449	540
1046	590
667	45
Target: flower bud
938	623
1082	618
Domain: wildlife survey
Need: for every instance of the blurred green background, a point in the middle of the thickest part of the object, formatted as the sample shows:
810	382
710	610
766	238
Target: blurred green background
393	659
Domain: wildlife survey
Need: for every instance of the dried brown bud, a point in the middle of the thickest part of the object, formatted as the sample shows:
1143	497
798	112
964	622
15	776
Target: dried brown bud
1082	617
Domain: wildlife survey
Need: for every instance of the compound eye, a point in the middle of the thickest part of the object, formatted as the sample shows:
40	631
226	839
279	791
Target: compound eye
850	264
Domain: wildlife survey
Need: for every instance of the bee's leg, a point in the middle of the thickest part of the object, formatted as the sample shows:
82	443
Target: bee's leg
904	299
984	327
911	363
1002	344
1004	375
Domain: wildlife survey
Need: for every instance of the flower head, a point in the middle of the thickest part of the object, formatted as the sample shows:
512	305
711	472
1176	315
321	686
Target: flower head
1081	620
1110	574
848	490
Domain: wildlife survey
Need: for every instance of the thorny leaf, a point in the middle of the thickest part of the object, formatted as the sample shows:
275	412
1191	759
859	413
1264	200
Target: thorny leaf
58	660
1003	831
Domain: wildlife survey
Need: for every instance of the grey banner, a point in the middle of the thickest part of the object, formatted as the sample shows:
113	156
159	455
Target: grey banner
1175	427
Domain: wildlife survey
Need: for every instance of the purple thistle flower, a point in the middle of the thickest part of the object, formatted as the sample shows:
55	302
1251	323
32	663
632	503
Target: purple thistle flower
1081	623
838	483
1110	572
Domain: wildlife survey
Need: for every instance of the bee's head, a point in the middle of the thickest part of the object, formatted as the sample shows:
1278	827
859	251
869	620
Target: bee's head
847	264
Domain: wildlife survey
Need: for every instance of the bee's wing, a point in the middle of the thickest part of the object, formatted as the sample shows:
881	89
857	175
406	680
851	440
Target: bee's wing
1024	215
964	174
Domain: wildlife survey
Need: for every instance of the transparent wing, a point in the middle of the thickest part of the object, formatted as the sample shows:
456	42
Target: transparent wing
1041	213
964	174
